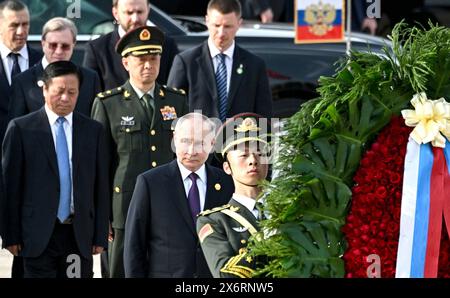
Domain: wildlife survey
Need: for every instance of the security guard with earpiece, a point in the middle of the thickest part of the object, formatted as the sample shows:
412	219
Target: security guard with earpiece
137	117
243	143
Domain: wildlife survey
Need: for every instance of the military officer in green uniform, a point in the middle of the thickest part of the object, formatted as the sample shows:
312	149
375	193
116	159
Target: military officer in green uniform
224	231
137	117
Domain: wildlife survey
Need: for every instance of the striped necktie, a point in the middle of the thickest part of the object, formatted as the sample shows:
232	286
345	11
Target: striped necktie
221	82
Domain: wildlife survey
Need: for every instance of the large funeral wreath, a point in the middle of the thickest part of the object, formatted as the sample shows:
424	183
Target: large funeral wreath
337	197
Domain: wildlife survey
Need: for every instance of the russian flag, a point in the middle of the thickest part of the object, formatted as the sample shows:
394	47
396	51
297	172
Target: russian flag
319	21
425	205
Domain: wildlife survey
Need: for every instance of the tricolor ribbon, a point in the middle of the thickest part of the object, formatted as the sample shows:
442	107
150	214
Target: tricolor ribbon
426	188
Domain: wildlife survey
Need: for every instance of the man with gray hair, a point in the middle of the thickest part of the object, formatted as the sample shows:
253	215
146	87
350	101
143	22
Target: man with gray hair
58	42
160	237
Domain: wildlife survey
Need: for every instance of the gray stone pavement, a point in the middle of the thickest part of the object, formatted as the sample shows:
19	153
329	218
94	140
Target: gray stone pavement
6	261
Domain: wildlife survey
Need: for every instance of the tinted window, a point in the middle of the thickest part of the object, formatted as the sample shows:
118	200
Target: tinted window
85	14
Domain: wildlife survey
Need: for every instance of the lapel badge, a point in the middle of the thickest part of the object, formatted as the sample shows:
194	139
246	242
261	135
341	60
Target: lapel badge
127	121
217	186
161	93
240	69
126	94
168	113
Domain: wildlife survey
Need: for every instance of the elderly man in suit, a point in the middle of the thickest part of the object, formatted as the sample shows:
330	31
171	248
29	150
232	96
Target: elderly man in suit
56	179
59	36
16	56
221	78
137	117
101	56
160	237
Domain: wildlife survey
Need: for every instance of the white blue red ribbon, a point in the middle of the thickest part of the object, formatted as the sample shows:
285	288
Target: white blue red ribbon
425	204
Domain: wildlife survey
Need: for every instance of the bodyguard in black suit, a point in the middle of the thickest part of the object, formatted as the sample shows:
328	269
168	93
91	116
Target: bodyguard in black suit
58	41
13	41
101	57
197	70
56	180
160	236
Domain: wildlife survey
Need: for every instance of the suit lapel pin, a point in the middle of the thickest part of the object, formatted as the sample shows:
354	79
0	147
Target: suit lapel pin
240	69
217	186
40	83
161	93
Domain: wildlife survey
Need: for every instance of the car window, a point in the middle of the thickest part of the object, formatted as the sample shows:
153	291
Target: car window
85	14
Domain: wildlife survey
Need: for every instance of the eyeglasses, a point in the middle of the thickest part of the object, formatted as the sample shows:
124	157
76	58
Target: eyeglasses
54	45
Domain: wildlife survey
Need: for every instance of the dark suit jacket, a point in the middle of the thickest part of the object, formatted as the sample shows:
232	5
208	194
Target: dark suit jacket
101	57
32	183
249	91
160	236
5	90
27	96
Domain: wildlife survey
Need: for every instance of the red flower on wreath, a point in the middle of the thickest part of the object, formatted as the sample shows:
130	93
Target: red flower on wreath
373	223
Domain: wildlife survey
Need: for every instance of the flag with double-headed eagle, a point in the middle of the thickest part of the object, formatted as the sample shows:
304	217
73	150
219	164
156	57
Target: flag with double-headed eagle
319	21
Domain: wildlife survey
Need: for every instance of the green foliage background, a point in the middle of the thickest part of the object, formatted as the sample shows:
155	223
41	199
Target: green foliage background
309	199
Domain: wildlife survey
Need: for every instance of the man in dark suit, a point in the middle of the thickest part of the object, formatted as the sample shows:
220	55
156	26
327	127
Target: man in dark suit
224	232
137	117
58	41
101	56
16	56
221	78
56	179
160	237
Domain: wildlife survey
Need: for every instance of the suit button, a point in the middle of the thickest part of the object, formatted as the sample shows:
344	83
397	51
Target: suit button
152	132
117	189
153	148
127	130
154	164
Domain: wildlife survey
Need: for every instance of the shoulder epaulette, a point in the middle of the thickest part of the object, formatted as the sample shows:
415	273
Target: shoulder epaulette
108	93
174	90
207	212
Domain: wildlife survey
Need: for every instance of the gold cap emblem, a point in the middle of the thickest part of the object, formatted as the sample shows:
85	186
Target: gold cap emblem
217	186
248	124
145	35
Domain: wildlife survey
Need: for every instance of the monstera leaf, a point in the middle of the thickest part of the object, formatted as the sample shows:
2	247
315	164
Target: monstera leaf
309	199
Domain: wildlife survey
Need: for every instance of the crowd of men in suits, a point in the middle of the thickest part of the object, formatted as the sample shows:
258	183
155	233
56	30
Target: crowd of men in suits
88	164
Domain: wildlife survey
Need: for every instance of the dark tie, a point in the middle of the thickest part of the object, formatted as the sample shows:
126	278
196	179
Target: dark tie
221	82
16	67
65	185
194	196
147	102
259	207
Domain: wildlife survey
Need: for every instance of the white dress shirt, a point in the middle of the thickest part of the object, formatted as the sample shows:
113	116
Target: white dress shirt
8	61
247	202
68	129
201	182
228	60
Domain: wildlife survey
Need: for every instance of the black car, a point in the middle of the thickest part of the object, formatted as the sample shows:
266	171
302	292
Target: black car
293	69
